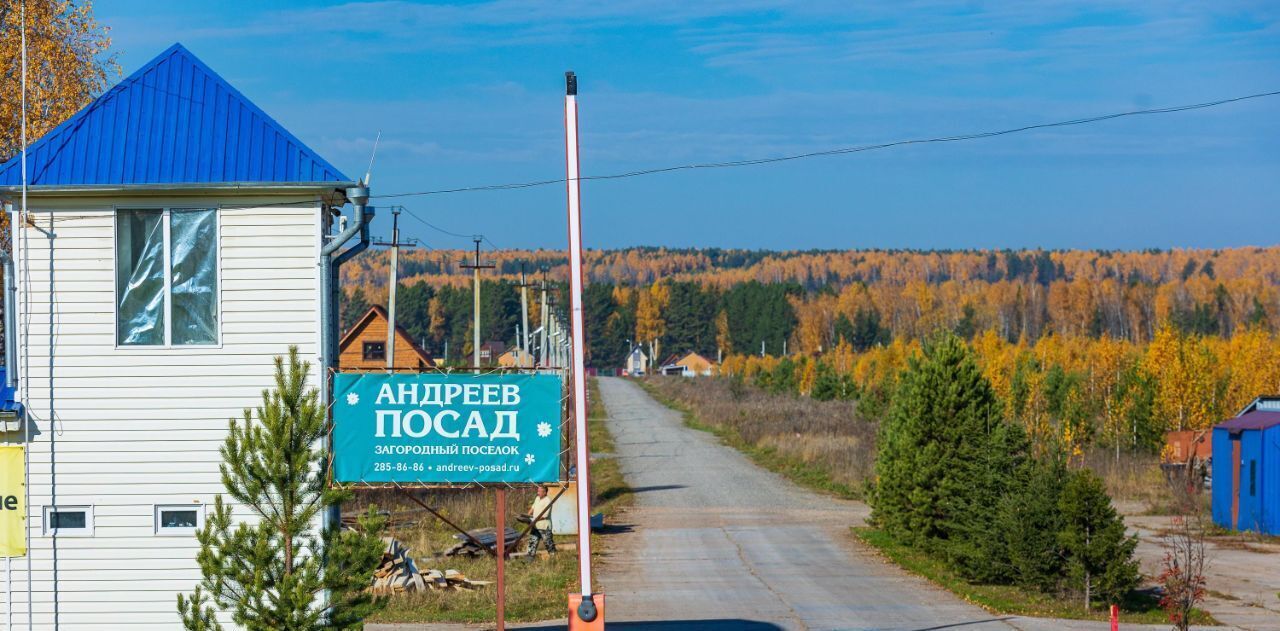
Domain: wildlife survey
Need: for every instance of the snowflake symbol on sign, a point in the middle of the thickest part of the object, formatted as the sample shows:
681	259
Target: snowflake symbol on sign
544	429
528	459
352	398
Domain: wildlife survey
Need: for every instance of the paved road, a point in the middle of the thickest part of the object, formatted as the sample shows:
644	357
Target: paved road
715	543
716	538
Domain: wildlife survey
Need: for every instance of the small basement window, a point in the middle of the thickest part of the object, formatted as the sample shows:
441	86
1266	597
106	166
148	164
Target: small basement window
375	351
179	519
76	521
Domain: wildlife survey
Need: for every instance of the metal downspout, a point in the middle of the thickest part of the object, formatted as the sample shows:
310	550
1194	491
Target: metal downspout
10	323
329	264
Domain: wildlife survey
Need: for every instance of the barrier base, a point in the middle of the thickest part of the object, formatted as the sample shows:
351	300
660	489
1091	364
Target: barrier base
577	624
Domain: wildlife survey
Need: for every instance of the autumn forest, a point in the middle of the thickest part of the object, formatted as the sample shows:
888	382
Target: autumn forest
1085	348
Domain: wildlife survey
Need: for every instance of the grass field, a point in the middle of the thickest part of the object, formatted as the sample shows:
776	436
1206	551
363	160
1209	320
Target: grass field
821	445
536	589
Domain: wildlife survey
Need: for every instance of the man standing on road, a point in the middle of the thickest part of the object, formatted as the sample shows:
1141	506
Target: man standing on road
541	513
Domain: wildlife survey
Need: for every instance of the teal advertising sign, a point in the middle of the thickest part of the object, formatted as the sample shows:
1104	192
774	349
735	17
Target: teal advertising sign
435	428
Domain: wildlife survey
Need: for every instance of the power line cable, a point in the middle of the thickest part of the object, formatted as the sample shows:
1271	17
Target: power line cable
449	232
437	228
839	151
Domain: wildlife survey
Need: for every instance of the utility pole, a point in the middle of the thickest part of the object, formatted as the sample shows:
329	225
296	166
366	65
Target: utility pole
500	494
544	318
395	244
475	268
524	317
553	355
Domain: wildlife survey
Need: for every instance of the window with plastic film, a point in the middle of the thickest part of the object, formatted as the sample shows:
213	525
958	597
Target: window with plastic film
166	277
140	277
193	257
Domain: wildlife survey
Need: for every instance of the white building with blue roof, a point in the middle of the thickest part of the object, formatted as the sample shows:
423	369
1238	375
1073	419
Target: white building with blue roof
176	239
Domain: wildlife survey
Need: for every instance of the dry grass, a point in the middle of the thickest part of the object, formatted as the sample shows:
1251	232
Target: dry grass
537	589
1132	477
1136	479
822	444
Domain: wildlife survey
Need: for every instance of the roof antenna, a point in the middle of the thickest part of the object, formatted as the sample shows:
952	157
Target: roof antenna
369	171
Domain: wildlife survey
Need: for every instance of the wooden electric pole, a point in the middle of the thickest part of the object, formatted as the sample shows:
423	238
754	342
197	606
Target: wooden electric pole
395	244
524	319
544	317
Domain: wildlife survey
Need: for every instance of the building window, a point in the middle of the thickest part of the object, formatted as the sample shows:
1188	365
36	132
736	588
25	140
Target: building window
167	277
375	351
68	521
179	519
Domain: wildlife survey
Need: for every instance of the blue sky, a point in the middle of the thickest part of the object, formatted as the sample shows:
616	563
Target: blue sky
471	94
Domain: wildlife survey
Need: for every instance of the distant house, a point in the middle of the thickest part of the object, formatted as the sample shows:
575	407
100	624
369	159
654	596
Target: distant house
515	358
364	347
177	243
490	352
637	363
689	365
1246	469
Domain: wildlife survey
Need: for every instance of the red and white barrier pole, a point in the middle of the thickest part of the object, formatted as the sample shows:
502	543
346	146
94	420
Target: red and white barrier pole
1115	618
586	611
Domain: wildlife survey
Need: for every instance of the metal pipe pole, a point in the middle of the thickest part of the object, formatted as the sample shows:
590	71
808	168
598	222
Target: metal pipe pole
501	549
475	309
587	610
26	357
391	295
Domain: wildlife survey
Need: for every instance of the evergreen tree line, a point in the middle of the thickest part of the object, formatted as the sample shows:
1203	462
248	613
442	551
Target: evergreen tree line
757	314
955	479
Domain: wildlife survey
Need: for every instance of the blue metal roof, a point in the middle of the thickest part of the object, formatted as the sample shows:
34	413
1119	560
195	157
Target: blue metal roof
174	121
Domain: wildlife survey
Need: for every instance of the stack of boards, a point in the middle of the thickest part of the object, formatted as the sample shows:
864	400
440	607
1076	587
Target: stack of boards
488	538
398	574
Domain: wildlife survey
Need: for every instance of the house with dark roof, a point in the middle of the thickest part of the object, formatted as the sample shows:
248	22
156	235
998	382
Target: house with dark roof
175	240
1246	469
364	346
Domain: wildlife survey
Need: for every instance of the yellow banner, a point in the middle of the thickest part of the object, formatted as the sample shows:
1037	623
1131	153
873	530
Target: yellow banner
13	510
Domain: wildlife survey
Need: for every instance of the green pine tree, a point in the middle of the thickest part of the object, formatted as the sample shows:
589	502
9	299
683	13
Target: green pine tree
1099	556
279	572
1029	522
943	412
990	462
353	307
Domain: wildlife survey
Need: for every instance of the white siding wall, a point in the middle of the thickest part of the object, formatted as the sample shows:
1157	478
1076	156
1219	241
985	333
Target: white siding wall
136	427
